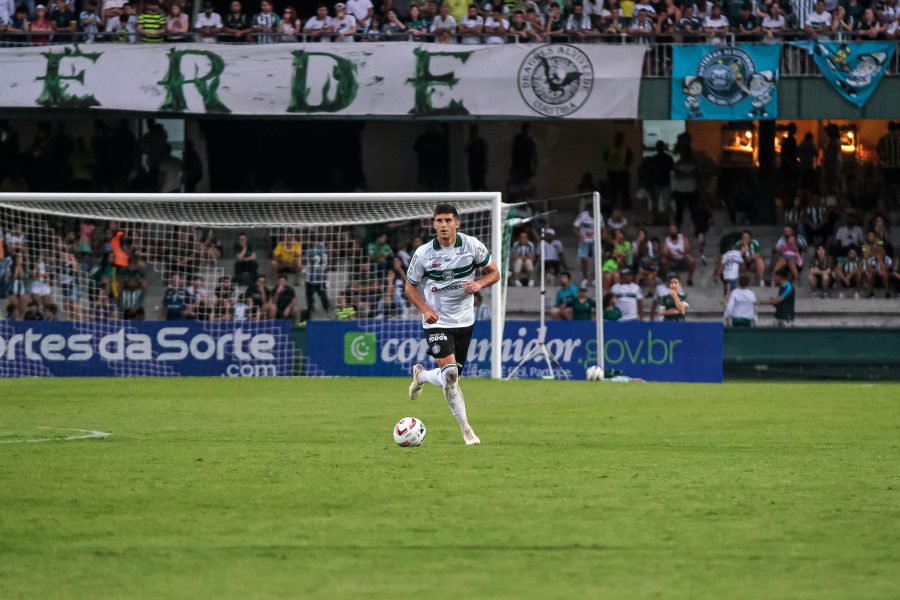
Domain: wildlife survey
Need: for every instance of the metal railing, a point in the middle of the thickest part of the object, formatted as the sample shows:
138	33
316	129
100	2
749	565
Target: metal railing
795	62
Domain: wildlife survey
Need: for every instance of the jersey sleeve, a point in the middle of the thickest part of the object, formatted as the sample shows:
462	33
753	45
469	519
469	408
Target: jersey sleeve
480	252
416	270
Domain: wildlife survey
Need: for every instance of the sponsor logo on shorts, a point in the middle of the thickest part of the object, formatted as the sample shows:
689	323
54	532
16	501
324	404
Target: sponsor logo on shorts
435	349
437	337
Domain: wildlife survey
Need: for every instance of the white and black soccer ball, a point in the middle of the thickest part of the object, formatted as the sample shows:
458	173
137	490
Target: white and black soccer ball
409	431
594	373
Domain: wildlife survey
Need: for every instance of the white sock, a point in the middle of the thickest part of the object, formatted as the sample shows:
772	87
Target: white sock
454	396
433	377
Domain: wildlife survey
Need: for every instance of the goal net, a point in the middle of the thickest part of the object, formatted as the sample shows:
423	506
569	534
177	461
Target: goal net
233	284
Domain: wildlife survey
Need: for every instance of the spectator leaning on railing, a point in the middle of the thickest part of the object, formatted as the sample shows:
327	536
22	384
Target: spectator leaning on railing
470	27
237	26
208	23
496	27
444	26
343	24
289	26
177	24
151	24
265	23
318	25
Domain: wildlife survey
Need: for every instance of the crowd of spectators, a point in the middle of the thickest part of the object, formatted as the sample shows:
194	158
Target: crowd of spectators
835	239
450	21
99	271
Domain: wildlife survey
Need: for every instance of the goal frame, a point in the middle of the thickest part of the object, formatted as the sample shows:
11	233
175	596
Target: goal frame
496	211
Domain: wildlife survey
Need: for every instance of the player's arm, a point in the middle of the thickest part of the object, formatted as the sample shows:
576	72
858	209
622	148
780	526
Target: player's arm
490	277
415	296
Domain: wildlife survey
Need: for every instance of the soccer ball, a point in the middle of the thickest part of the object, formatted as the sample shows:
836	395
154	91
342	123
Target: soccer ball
594	373
409	431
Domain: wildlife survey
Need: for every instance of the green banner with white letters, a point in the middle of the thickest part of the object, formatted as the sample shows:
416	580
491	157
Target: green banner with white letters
594	81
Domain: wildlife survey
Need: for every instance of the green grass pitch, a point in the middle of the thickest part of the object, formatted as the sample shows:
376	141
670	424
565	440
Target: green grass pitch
215	488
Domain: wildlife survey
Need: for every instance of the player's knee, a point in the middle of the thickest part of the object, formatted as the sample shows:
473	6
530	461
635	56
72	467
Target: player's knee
451	376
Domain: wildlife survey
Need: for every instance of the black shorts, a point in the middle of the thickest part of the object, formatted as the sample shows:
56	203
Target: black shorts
443	342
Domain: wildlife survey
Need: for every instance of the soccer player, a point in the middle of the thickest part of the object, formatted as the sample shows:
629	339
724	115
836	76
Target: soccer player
446	265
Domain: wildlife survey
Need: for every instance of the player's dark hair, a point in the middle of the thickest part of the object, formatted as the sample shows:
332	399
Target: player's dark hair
743	280
445	209
784	273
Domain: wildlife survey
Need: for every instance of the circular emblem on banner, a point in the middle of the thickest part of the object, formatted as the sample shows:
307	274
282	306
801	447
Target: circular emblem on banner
556	80
726	74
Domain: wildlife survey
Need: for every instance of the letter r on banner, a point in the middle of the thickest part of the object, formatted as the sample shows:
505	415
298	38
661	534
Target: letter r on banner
207	85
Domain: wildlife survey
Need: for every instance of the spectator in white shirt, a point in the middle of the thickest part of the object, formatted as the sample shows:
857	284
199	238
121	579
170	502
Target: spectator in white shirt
471	26
497	26
208	23
848	235
774	24
361	10
728	268
579	24
552	253
741	308
319	25
7	11
343	24
715	23
818	21
628	297
444	26
893	29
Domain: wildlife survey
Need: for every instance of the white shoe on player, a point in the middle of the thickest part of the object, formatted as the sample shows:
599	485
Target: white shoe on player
415	388
470	438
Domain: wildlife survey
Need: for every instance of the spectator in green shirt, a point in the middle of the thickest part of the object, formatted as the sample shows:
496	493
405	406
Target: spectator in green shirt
379	253
611	312
673	307
152	24
583	307
567	291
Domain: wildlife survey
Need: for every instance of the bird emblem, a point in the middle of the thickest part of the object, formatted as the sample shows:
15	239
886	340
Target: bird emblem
557	81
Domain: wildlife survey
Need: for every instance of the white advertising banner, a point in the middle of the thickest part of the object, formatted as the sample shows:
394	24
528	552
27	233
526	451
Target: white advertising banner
585	81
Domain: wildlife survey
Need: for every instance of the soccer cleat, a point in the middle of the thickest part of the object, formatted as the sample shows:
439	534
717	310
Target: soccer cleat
470	438
415	388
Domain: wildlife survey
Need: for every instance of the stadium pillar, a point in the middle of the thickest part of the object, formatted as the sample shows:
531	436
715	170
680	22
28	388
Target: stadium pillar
767	172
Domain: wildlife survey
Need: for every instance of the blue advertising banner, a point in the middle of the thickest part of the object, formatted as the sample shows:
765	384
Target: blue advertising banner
729	83
145	349
653	351
854	69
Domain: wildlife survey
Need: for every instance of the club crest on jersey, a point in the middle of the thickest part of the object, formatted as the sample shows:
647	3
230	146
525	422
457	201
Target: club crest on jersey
447	275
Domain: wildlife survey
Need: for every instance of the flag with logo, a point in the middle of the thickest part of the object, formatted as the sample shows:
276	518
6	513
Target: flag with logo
729	83
854	69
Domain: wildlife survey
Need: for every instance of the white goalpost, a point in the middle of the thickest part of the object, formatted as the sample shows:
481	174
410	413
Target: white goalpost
102	260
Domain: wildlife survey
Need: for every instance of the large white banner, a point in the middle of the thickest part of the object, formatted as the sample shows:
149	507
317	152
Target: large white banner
590	81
